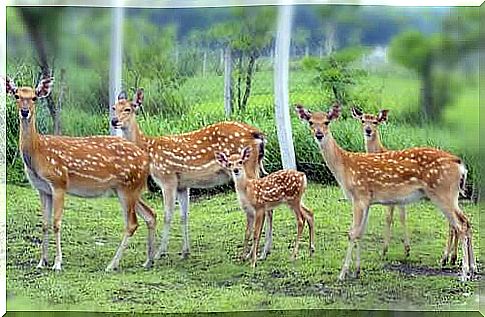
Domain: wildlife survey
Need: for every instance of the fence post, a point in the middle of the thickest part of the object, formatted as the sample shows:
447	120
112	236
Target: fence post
115	61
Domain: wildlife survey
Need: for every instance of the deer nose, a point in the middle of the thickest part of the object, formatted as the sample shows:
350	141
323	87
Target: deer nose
114	122
319	135
368	131
236	171
24	113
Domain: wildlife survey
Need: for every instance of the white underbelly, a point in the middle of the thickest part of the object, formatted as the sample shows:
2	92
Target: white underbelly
401	199
38	182
90	192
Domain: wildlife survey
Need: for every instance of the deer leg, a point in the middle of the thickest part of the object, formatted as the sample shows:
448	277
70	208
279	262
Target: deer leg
299	223
387	229
454	246
58	205
169	194
131	224
359	219
46	204
258	226
183	197
268	235
308	215
247	234
451	241
147	213
402	217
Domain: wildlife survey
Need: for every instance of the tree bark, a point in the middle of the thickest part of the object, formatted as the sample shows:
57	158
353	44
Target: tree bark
330	40
249	76
227	82
239	79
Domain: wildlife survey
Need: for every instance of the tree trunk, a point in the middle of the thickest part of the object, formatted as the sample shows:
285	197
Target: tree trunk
227	82
204	63
249	76
33	28
281	76
330	40
239	79
222	59
115	62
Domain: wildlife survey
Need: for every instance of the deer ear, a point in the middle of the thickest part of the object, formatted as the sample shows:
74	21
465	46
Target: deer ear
138	98
221	158
44	87
122	95
303	113
10	87
334	112
245	153
382	116
356	113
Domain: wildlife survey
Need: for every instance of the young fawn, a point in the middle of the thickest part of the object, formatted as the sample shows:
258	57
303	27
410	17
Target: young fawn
373	144
258	195
183	161
370	124
81	166
392	178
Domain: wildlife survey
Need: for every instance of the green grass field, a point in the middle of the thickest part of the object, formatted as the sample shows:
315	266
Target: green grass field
213	278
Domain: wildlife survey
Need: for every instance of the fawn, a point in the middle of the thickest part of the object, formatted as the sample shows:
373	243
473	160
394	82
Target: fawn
81	166
373	144
392	178
258	195
183	161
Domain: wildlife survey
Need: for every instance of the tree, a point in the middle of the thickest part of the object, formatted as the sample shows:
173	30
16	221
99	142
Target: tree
416	51
43	26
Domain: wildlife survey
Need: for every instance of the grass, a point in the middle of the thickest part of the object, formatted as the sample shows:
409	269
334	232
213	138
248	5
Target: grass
213	278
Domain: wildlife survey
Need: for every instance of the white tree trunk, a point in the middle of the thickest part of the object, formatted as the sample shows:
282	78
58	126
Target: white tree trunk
227	81
221	59
204	63
282	110
330	40
115	61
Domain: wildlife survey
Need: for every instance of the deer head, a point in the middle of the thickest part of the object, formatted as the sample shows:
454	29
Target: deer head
235	162
319	122
27	96
370	122
124	110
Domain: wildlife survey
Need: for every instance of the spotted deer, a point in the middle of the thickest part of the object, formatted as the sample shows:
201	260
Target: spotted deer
373	144
392	178
80	166
258	195
183	161
370	124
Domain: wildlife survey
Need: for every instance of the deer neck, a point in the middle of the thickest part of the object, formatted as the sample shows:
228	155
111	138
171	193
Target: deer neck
374	144
28	139
333	155
135	135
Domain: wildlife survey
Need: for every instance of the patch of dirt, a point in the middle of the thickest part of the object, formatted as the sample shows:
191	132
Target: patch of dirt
414	270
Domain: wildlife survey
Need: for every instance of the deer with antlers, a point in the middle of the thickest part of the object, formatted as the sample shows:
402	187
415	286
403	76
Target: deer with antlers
370	124
81	166
258	195
392	178
183	161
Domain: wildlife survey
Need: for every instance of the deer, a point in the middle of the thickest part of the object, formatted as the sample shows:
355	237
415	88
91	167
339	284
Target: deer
392	178
370	124
373	144
80	166
183	161
258	195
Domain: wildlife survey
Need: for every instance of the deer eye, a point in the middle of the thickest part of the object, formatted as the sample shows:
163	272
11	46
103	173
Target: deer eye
310	123
127	110
229	165
240	162
326	123
375	122
34	98
17	96
363	121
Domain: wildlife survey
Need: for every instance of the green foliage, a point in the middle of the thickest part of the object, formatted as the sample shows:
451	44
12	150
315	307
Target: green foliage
213	277
336	74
